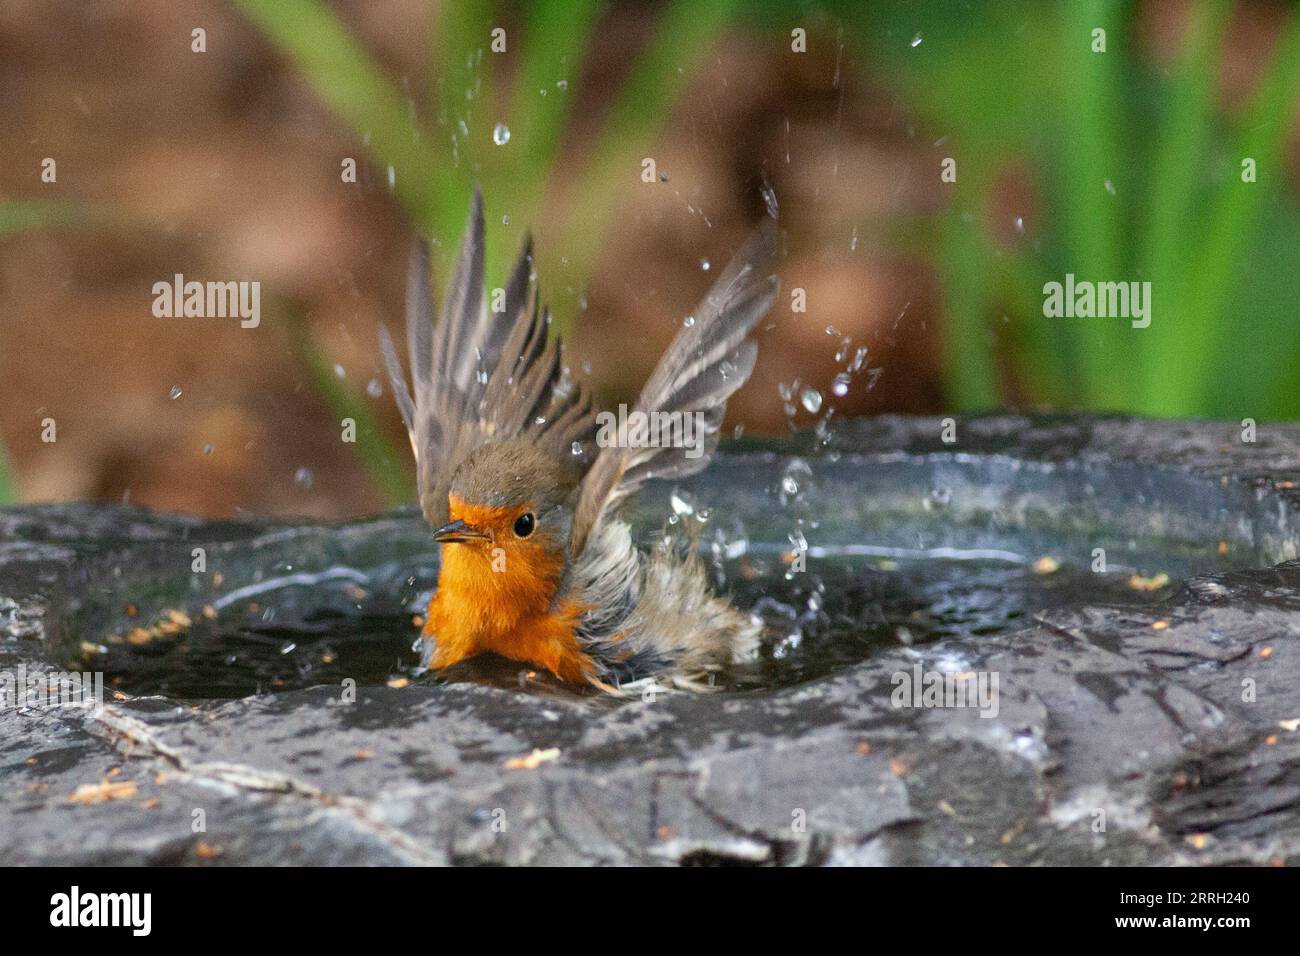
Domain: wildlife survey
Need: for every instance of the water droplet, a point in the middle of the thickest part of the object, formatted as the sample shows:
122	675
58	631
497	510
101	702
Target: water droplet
576	448
304	477
501	134
505	220
175	393
688	321
796	476
374	389
916	40
812	399
769	200
840	385
562	84
392	178
681	506
705	265
938	498
1020	225
339	372
207	449
1110	187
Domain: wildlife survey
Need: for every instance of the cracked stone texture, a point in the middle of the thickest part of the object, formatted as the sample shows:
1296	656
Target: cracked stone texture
1177	721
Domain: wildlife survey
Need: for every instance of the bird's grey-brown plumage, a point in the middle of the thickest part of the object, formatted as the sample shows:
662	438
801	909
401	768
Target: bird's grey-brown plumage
707	361
491	392
465	395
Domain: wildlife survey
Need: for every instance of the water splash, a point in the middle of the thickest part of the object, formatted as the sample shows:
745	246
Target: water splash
811	399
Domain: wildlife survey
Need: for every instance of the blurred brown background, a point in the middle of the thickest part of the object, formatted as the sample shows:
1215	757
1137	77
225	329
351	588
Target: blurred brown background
225	166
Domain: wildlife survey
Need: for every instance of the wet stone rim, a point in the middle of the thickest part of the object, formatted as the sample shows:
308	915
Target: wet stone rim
1101	712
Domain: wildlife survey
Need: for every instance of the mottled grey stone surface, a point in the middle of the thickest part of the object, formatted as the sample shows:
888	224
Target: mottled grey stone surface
1099	709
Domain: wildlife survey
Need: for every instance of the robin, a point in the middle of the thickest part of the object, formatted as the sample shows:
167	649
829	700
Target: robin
536	565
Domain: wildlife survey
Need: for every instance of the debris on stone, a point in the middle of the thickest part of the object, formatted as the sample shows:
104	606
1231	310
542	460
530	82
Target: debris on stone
533	760
103	792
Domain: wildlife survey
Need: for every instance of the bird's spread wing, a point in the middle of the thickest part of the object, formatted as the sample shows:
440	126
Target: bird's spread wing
480	375
704	365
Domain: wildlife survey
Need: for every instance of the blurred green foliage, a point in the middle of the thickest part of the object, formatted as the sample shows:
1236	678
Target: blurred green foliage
1138	179
1136	173
438	146
1136	176
437	150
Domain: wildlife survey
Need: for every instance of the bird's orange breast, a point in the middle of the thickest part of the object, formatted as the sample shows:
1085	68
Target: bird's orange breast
502	599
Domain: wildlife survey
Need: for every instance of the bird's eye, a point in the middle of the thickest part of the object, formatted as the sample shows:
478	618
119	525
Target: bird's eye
524	524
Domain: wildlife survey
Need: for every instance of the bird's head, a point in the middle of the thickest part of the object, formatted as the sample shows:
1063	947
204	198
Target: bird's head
511	511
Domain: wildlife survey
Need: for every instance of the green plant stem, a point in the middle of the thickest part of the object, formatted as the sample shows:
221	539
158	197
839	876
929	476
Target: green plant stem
1090	92
349	81
21	215
382	461
1236	208
685	33
461	137
7	493
969	361
1185	132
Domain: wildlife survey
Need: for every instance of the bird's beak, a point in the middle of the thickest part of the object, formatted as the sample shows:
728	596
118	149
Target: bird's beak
458	531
